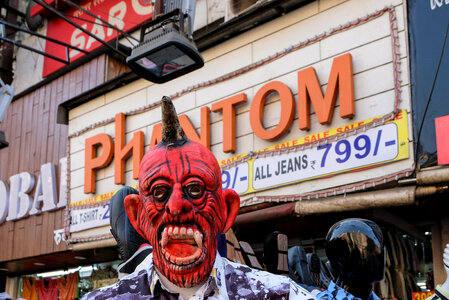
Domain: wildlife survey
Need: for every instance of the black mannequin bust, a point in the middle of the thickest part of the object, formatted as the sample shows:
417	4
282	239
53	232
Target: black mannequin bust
355	248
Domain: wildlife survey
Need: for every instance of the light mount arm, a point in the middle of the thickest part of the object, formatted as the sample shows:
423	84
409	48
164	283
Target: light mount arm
3	37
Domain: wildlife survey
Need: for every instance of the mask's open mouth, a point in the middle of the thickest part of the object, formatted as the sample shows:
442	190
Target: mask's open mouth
182	245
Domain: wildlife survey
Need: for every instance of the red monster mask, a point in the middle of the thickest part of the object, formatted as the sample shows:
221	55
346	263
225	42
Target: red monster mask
181	207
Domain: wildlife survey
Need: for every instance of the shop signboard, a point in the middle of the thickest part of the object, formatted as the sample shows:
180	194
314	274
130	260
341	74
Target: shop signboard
441	130
340	84
368	148
16	201
421	295
125	15
83	216
91	217
372	147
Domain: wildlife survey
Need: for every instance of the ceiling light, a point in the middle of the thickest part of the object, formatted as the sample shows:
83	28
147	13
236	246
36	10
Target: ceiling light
80	257
39	264
52	274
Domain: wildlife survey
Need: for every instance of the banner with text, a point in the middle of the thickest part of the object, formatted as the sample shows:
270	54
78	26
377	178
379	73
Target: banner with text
85	218
375	146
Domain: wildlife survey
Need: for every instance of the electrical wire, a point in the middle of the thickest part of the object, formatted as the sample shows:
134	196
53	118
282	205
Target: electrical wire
429	99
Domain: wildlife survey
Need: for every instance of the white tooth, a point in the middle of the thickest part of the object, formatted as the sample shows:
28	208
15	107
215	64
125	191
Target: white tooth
175	231
190	231
164	239
198	239
170	230
182	231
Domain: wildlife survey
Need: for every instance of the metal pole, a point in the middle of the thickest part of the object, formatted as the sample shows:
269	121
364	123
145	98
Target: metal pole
399	196
41	36
34	50
432	175
266	214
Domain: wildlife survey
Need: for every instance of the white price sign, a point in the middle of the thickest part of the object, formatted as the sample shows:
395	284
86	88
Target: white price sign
85	218
236	178
374	146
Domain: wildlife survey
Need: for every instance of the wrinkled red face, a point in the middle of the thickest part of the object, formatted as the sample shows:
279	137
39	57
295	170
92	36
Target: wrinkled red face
182	210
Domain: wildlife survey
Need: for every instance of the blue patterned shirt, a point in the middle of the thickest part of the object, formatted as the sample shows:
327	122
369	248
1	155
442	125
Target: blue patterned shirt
228	280
334	292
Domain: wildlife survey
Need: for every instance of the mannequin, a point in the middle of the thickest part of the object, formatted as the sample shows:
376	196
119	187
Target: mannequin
355	248
442	291
445	285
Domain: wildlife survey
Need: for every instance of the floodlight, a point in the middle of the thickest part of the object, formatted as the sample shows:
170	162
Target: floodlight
165	51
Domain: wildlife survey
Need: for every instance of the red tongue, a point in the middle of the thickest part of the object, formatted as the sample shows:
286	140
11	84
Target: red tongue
180	248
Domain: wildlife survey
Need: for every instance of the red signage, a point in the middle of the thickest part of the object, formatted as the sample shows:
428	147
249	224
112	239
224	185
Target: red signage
442	129
421	295
123	14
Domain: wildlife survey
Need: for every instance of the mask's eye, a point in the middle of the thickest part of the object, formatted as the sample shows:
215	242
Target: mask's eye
195	190
160	193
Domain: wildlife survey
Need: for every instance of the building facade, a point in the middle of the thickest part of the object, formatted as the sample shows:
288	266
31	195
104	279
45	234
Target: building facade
309	111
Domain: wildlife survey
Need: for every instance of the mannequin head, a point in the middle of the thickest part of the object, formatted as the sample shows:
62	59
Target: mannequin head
181	207
355	248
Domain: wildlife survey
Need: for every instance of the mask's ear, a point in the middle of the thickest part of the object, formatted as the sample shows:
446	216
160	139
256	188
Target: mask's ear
232	200
133	205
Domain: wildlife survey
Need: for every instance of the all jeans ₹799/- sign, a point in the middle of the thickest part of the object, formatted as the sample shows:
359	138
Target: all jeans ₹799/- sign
375	146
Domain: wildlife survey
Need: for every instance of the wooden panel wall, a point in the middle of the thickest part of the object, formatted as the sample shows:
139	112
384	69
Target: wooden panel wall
34	139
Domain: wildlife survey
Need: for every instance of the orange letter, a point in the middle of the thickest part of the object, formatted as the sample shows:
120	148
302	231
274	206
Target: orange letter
191	133
156	135
309	89
92	162
227	107
287	110
122	151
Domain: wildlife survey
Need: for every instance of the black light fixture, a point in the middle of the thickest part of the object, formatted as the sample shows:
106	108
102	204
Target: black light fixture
6	95
166	49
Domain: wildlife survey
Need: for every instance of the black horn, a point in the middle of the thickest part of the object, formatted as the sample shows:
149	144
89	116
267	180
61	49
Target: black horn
172	132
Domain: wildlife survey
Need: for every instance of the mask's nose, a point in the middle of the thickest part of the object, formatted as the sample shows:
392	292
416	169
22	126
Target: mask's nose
176	203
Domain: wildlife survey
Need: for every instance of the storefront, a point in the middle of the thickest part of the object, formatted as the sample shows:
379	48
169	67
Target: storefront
309	115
